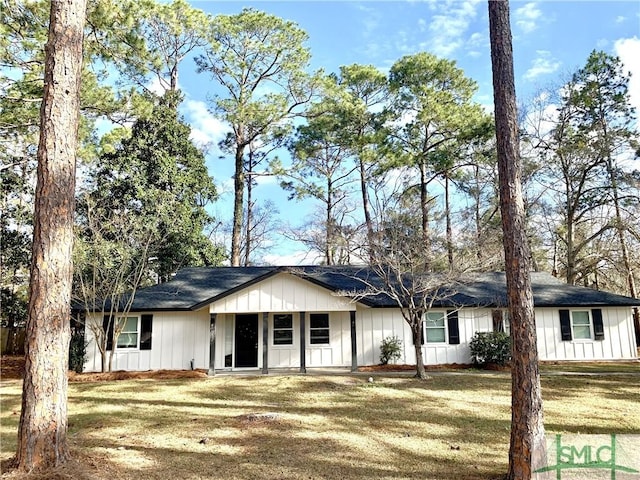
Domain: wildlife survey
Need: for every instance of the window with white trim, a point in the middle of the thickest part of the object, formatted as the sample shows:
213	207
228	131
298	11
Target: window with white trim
581	324
319	329
283	329
435	327
129	328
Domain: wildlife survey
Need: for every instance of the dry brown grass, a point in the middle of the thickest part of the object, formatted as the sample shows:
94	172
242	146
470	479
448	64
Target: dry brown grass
454	426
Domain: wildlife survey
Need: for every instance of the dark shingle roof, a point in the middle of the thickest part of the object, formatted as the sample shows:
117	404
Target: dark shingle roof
195	287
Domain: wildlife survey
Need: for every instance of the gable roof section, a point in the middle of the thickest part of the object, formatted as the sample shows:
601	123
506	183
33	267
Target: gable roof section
196	287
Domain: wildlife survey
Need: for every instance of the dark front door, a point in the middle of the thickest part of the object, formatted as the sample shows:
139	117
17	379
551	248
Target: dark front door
247	340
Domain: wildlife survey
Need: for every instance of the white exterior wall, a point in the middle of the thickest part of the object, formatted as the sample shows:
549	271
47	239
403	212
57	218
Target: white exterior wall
285	356
282	293
618	343
177	338
286	293
373	325
336	354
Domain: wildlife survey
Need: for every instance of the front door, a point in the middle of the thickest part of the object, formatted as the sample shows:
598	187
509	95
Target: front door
246	340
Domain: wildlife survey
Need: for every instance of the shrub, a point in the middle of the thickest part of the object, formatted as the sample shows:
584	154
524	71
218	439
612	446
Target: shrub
490	347
390	349
77	351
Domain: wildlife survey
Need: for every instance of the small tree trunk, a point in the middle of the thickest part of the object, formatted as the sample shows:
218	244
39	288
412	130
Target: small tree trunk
111	352
417	342
103	361
42	432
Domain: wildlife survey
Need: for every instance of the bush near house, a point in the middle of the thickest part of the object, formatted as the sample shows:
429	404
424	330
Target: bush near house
390	349
490	348
77	351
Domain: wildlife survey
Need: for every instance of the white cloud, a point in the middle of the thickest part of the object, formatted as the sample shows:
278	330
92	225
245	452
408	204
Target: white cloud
449	26
627	49
620	19
527	16
542	65
370	19
476	43
205	128
477	39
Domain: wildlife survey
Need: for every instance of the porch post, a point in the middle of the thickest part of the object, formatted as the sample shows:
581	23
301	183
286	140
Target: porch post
303	343
265	342
212	344
354	343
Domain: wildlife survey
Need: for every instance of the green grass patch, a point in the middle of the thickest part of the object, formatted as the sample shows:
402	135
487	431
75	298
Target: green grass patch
453	426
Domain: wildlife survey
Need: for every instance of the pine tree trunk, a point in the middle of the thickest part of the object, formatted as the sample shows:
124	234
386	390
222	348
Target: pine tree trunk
527	429
365	201
248	222
238	206
424	209
42	433
447	211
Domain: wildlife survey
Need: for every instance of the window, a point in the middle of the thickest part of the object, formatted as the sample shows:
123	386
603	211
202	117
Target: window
128	337
581	325
435	327
576	325
319	329
283	329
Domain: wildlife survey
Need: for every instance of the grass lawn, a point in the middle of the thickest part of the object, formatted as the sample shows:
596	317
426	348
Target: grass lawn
631	366
453	426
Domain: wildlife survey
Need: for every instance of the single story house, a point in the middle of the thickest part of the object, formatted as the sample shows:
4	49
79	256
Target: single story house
263	318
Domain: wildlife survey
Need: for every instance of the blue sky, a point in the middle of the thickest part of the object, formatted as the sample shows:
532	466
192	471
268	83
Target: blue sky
550	40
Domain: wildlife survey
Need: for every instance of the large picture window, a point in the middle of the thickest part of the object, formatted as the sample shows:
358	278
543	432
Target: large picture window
283	329
435	327
128	337
319	329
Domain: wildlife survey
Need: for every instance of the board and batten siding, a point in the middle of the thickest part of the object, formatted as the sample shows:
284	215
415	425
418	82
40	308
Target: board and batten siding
177	339
618	342
374	325
338	352
335	354
282	293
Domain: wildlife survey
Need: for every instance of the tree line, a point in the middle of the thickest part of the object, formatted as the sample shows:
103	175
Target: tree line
405	156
